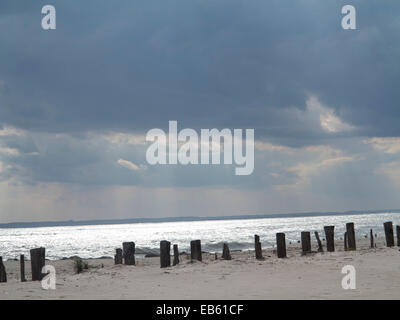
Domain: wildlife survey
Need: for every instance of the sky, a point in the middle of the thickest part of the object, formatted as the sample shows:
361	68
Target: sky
76	104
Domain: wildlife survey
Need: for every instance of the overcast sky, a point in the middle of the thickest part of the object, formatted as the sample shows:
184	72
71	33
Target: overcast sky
76	103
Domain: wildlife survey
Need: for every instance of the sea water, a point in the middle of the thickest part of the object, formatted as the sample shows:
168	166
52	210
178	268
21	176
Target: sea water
95	241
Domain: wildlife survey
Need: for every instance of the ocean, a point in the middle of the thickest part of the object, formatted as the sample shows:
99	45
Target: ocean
94	241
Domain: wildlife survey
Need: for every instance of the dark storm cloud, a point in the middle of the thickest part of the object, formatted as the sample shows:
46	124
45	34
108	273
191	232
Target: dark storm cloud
134	65
129	66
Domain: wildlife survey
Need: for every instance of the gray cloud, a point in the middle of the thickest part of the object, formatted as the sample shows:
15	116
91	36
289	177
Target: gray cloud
313	92
136	65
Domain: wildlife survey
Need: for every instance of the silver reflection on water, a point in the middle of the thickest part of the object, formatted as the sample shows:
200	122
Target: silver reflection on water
102	240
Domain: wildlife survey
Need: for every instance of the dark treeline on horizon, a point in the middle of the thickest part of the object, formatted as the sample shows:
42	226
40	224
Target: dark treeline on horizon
182	219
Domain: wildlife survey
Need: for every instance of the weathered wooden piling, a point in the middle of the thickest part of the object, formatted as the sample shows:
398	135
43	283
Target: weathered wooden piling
388	226
38	256
306	242
345	241
398	235
371	236
320	248
128	252
330	238
226	254
165	256
176	255
195	250
3	273
351	236
22	267
118	256
281	245
257	247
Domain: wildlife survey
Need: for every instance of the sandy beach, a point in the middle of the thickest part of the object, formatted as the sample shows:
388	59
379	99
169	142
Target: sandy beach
315	276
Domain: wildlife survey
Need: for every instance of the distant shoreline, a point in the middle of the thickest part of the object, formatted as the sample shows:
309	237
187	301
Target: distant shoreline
183	219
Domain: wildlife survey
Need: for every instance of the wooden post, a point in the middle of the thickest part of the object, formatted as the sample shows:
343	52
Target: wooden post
345	241
306	242
371	235
128	252
176	255
22	267
398	235
389	233
257	247
165	256
281	245
37	263
195	250
330	238
320	248
3	273
118	256
226	254
351	236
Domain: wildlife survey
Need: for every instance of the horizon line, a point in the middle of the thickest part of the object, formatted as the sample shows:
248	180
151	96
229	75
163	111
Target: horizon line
66	223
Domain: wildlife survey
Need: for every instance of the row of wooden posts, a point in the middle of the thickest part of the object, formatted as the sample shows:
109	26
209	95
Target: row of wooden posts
37	263
126	255
349	240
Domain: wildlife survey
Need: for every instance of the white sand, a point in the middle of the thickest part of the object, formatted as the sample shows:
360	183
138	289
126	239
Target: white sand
316	276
